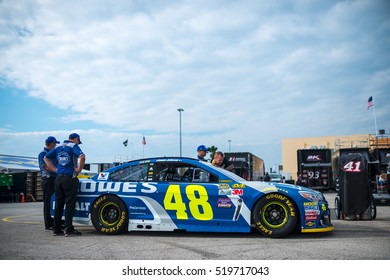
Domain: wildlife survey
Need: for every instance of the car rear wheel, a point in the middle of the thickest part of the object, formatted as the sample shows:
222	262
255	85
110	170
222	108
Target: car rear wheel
109	215
275	215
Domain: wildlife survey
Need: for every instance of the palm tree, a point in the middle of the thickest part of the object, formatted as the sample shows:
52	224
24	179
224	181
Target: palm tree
212	150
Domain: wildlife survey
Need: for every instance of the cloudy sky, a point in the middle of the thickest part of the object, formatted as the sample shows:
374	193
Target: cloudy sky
253	72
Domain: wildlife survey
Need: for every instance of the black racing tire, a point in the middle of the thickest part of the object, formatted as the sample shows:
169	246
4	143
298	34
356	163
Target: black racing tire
109	214
275	215
337	207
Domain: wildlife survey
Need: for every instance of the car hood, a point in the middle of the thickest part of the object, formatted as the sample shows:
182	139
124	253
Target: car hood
268	187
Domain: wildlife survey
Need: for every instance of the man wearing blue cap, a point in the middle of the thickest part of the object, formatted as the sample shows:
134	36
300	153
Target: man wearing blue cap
71	161
202	151
48	179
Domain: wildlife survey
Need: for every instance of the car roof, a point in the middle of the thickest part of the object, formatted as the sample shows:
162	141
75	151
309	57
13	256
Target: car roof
188	160
154	159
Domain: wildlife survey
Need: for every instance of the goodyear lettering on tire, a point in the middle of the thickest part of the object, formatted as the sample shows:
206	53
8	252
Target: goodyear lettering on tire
275	215
103	222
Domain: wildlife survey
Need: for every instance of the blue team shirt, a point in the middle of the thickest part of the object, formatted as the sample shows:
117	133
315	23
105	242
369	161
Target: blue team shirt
66	155
201	158
42	165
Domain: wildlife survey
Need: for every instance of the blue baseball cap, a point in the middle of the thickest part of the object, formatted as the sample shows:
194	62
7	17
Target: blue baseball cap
52	139
75	135
202	148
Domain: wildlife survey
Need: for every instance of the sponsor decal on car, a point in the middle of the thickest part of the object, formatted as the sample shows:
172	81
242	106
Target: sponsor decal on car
103	176
310	224
238	192
117	187
312	203
82	206
223	186
312	212
224	203
311	217
309	208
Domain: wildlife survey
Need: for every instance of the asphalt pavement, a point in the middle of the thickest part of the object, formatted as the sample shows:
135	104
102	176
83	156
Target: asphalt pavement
22	237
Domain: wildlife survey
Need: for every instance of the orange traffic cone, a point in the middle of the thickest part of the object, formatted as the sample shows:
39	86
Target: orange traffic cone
22	197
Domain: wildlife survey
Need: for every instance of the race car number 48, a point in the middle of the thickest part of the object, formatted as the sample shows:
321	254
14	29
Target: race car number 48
199	206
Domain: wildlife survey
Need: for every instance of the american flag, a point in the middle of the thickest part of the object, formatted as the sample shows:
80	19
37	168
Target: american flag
370	102
143	141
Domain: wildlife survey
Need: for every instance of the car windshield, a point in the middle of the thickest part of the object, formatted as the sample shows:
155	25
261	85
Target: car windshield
225	172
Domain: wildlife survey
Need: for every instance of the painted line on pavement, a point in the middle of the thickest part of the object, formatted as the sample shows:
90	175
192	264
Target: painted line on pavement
8	220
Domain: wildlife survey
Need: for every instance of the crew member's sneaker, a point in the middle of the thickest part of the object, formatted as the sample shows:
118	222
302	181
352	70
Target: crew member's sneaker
72	233
58	233
49	228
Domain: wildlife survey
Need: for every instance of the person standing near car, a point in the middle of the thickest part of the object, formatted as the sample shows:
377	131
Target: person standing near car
71	161
48	179
202	151
219	160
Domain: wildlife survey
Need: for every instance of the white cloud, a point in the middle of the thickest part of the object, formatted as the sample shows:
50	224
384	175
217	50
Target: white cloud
253	72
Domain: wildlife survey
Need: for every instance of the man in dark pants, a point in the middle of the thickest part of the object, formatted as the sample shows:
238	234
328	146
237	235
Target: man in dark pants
71	161
48	179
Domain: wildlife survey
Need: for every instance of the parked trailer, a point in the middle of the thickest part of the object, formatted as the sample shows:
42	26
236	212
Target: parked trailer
315	168
247	165
352	168
380	177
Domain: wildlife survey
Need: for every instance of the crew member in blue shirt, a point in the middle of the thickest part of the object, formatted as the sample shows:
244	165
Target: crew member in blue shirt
202	151
71	161
48	179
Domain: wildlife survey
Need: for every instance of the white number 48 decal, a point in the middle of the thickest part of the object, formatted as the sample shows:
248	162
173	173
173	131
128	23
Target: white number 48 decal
352	166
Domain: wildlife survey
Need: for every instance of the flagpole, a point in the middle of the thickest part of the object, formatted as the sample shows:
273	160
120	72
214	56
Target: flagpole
376	128
127	149
132	149
143	146
373	106
371	103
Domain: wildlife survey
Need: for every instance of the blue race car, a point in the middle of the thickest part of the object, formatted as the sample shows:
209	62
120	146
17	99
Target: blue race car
170	193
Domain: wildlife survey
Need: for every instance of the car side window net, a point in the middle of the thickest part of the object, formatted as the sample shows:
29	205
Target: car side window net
134	173
183	173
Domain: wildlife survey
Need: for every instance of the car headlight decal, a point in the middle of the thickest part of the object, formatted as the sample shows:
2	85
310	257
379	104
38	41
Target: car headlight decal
312	196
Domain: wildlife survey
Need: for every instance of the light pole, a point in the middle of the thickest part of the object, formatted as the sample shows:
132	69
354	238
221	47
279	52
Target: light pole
180	110
229	144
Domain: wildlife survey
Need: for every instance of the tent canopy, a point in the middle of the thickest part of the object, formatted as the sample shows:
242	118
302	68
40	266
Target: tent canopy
18	164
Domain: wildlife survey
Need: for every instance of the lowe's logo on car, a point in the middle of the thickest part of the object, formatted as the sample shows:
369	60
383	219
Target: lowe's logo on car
117	187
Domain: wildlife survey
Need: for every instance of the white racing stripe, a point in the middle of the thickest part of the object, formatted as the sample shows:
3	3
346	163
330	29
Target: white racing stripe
161	220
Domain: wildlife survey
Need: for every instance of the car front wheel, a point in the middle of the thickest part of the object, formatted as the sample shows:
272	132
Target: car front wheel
275	215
